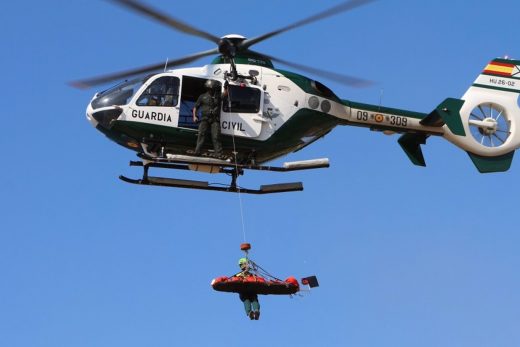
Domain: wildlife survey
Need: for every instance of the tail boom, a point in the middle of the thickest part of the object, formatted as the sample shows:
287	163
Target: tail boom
485	122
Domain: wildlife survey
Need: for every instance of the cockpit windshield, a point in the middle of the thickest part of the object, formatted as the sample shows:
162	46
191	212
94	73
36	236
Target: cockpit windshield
118	95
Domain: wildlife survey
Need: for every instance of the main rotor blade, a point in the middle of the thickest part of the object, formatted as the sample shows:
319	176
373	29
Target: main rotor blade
176	24
346	6
91	82
343	79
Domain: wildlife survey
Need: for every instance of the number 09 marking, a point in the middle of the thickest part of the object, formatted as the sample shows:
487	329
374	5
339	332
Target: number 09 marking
362	115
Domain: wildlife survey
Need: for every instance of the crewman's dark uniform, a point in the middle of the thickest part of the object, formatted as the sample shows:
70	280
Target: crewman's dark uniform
250	299
209	104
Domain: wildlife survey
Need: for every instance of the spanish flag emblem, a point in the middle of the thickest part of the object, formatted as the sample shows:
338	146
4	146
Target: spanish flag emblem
502	69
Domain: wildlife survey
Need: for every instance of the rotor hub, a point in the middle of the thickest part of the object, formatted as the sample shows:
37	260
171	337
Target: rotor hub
488	129
235	38
227	46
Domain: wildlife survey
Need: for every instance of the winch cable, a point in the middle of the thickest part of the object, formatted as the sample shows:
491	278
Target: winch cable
262	272
236	169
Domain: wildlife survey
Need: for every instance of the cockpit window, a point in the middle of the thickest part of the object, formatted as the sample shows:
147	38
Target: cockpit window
118	95
164	91
242	100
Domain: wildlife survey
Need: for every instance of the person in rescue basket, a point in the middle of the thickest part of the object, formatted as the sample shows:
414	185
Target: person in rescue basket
250	300
209	104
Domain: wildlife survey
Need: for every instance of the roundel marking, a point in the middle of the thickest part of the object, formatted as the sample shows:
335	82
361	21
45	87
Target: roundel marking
379	118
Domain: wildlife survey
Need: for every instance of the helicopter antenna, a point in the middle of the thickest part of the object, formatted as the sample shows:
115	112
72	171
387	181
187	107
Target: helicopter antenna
166	65
381	98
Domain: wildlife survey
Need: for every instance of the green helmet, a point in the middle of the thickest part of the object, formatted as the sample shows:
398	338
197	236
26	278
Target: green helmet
242	261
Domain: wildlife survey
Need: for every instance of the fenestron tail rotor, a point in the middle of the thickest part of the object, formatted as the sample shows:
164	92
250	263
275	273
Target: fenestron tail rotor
489	125
227	46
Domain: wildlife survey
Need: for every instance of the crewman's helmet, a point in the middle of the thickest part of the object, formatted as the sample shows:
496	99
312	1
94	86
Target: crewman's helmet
210	84
242	261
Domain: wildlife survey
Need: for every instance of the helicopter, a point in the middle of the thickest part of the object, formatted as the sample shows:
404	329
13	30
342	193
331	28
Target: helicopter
270	112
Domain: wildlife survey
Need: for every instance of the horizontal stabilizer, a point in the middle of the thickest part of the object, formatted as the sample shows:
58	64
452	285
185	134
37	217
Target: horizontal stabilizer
492	164
411	144
448	112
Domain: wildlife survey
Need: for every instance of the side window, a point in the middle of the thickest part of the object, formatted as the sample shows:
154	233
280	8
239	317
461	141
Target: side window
242	100
164	91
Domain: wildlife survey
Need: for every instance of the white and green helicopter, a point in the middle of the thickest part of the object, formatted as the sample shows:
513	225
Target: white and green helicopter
269	113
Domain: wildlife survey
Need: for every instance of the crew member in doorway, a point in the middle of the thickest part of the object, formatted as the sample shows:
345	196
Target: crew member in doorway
209	104
250	300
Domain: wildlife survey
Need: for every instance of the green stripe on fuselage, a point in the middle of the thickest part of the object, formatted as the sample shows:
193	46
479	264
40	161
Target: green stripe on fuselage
304	126
496	88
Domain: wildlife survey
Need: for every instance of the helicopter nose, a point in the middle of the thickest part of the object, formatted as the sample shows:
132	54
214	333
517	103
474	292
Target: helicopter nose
103	118
91	119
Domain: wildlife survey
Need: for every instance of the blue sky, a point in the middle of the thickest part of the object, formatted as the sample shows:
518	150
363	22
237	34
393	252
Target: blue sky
406	256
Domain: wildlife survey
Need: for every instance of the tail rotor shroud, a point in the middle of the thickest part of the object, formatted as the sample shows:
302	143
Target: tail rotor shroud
489	124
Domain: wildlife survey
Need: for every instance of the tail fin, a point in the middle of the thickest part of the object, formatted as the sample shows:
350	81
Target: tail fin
490	116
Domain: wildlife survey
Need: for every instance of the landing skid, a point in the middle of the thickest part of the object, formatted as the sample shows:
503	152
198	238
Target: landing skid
213	165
